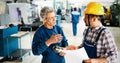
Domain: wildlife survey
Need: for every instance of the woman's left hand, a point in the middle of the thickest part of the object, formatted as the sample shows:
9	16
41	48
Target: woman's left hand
61	53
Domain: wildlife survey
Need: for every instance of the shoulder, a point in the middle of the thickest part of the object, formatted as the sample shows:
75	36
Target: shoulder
40	29
57	27
106	32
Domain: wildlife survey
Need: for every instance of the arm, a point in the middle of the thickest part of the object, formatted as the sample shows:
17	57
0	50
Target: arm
73	47
39	44
64	40
111	48
109	54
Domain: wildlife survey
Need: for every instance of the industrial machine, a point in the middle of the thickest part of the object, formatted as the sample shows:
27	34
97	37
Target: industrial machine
115	11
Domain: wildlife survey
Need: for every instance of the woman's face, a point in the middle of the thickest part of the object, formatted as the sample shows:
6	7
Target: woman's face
51	19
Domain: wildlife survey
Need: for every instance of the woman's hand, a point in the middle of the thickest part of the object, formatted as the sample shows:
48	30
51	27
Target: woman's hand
61	53
71	47
54	39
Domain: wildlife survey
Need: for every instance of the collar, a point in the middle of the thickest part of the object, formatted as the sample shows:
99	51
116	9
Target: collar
48	28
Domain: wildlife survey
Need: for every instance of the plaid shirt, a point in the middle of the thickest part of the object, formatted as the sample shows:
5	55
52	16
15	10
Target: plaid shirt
106	47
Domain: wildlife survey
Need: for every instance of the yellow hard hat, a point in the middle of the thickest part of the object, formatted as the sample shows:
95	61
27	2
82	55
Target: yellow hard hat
94	8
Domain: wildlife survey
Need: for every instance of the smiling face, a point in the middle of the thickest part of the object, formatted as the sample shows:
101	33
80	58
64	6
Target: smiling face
48	16
50	19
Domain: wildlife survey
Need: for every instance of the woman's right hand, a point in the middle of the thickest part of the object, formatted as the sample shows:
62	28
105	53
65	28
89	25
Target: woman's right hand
54	39
71	47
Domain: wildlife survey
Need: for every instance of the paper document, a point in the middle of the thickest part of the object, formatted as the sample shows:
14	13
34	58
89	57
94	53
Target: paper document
77	54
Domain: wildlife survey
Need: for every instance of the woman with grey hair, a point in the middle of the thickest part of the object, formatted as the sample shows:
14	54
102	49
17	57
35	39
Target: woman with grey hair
47	37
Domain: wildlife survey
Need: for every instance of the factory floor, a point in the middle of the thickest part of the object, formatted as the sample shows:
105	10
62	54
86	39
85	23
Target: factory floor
74	40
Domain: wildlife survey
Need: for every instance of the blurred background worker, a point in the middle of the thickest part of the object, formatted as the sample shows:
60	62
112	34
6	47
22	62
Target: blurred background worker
98	40
75	15
59	16
67	16
47	37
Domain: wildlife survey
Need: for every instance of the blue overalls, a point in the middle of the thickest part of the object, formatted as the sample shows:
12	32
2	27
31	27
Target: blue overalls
91	47
75	20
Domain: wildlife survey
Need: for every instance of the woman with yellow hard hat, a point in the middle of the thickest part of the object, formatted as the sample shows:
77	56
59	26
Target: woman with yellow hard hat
98	40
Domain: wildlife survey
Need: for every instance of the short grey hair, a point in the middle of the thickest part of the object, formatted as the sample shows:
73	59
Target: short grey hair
45	11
